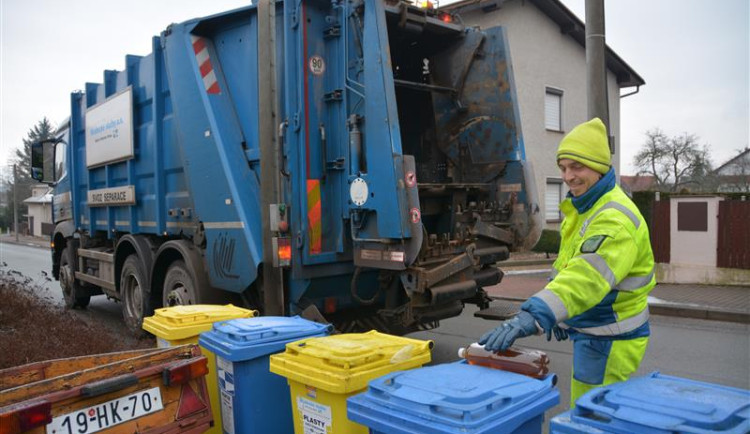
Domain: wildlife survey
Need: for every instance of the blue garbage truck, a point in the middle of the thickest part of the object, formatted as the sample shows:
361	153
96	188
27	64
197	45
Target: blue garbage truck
360	161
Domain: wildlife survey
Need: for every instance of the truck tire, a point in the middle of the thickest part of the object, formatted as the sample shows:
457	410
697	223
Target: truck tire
136	299
179	287
74	295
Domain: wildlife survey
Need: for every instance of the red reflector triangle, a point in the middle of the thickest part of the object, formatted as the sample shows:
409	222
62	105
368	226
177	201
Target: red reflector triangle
190	402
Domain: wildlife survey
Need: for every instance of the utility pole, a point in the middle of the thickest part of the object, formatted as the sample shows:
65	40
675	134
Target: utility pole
15	200
273	285
596	71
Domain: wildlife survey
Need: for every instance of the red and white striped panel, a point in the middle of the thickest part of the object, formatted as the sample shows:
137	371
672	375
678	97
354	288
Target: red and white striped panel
204	63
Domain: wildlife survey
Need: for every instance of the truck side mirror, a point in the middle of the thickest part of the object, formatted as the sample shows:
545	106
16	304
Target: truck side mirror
43	160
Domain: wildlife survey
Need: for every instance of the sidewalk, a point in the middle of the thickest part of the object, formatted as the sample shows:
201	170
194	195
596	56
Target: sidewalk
720	303
26	240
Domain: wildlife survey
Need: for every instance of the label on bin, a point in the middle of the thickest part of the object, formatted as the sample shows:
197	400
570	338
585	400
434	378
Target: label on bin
162	343
225	374
316	418
227	411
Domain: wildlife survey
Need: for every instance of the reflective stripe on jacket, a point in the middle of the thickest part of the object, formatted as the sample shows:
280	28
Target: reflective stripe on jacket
601	287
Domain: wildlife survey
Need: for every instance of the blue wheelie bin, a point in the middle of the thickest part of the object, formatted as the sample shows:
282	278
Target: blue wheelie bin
658	404
254	400
454	398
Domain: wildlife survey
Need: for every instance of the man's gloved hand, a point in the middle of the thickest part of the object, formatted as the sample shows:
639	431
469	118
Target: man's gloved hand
503	336
560	333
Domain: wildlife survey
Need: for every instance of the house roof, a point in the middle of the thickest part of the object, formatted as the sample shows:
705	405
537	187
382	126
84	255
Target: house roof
45	197
742	154
569	24
638	183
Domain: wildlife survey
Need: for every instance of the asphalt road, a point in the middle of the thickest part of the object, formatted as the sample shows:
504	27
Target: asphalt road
717	352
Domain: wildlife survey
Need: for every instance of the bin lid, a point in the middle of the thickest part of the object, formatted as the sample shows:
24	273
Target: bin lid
182	322
452	397
245	339
345	363
663	403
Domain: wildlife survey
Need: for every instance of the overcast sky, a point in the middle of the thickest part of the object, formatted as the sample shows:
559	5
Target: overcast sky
693	55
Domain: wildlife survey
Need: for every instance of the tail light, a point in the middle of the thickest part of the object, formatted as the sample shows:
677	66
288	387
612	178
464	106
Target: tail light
26	417
190	403
183	372
446	18
282	247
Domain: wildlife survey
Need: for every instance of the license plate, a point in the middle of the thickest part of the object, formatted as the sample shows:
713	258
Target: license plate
107	414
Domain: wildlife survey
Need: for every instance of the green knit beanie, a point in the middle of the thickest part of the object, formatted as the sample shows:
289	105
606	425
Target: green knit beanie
588	144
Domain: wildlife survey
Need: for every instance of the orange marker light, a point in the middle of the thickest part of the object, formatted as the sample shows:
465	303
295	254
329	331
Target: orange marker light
185	371
285	252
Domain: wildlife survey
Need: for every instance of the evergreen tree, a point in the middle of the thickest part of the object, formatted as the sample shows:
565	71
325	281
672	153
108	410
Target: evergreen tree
22	159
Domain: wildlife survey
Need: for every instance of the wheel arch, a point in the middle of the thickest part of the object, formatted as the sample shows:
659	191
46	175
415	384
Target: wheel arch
170	252
143	248
63	231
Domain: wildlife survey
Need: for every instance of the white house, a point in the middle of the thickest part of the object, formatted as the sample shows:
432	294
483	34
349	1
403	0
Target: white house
549	65
40	210
734	175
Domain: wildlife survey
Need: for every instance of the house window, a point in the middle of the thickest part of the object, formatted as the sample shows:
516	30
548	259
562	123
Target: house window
553	109
553	195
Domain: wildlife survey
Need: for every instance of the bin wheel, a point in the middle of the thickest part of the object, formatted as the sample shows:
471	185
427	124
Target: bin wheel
74	295
179	287
135	296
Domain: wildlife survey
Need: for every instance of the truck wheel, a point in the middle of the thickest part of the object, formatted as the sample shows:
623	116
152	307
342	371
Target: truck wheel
136	301
179	288
74	295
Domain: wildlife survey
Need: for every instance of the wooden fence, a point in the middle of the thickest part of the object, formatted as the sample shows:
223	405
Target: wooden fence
734	234
659	228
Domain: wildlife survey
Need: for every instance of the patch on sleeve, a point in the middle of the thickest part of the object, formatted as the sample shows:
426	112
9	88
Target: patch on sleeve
592	244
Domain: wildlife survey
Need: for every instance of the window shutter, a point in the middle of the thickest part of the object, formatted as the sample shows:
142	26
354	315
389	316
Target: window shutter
552	119
552	199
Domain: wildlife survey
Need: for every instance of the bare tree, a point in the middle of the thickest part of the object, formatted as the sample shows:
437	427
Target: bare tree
676	163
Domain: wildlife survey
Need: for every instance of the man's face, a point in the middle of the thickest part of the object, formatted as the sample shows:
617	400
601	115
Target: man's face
577	177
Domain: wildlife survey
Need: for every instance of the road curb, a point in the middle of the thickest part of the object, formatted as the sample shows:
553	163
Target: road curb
700	312
523	263
23	243
679	310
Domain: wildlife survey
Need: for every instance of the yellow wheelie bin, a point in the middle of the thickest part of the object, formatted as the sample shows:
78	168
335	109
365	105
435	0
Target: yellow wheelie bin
179	325
323	372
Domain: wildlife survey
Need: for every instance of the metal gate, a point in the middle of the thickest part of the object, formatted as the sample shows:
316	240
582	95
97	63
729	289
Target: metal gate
734	235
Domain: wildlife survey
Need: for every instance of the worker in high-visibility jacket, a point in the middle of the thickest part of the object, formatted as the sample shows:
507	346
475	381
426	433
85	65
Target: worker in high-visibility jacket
602	276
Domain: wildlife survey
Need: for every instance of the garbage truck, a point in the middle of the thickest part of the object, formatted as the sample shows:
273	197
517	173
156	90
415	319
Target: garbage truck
360	161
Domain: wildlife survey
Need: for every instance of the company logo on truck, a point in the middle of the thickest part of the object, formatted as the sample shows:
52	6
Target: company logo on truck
223	252
106	131
109	130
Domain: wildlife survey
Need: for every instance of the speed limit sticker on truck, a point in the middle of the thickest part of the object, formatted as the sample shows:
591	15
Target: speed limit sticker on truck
317	65
316	418
107	414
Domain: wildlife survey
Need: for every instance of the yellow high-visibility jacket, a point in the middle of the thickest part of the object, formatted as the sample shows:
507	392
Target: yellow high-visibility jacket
603	273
